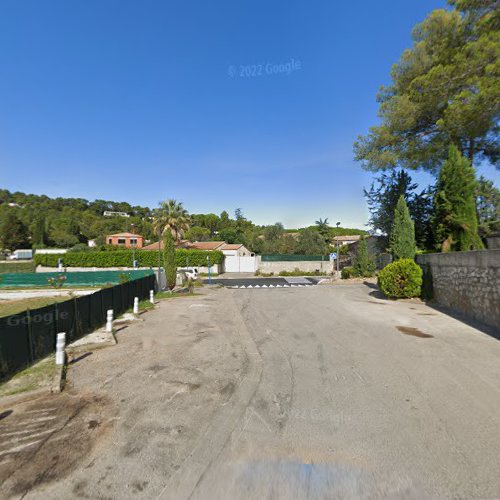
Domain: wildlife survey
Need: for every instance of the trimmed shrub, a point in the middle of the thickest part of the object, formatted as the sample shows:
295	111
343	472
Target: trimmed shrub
123	258
401	279
347	273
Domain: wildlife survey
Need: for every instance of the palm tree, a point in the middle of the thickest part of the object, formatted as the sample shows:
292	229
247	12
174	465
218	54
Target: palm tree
323	228
171	216
322	223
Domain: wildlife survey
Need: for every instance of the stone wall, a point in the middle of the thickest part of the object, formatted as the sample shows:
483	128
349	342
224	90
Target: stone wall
303	265
467	282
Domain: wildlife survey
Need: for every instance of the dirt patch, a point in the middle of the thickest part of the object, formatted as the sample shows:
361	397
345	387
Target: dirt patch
414	332
43	440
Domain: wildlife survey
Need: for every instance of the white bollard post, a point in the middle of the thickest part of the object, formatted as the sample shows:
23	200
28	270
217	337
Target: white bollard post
151	296
136	305
109	321
60	345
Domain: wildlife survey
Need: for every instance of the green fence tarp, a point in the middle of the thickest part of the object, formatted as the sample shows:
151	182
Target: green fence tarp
73	279
31	335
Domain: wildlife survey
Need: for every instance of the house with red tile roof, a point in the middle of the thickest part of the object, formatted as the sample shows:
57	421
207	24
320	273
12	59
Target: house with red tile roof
126	240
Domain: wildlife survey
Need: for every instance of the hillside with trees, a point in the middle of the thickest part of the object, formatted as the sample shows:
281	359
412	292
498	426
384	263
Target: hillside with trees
37	221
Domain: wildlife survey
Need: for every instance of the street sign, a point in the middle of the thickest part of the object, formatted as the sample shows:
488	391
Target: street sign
333	256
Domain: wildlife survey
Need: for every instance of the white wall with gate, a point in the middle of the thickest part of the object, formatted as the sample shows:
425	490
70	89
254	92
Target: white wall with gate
238	264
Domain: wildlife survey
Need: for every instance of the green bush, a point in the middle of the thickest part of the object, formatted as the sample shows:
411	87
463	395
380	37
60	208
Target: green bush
123	258
347	273
401	279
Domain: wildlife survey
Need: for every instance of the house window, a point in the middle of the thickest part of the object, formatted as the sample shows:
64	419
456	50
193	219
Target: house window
133	241
110	241
121	241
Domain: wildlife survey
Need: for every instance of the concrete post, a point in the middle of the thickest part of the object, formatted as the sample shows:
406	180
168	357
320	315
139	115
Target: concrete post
60	345
109	321
151	296
136	305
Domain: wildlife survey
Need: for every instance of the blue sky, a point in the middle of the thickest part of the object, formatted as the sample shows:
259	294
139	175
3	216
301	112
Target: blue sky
140	101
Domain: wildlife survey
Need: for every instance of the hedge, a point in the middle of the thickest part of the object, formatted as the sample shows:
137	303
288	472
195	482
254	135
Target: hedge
123	258
401	279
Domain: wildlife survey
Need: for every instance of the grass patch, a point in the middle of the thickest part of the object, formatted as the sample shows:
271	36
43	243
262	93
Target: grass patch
17	267
14	306
34	377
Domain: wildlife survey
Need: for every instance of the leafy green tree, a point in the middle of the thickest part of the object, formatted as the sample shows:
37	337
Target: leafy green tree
364	266
310	242
455	217
197	233
38	232
402	242
488	207
169	259
444	91
13	233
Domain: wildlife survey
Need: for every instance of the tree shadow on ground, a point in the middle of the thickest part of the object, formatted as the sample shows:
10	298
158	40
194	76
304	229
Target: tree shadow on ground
478	325
376	293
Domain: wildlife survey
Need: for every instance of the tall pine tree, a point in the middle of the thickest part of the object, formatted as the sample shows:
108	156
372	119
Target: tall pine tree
455	218
402	243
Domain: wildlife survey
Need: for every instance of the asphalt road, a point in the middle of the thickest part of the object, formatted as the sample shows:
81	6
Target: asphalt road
289	282
318	392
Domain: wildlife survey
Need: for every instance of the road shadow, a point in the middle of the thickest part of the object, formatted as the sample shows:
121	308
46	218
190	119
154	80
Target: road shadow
376	293
473	323
478	325
79	358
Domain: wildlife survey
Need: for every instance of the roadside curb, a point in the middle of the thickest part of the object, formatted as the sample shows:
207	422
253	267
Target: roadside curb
59	379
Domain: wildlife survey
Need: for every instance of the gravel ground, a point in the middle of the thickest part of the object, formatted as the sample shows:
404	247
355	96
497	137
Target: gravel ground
315	392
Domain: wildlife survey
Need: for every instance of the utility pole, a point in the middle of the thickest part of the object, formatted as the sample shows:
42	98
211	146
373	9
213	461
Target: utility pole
338	254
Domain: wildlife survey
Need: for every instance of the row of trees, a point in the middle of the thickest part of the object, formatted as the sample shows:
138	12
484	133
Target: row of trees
444	217
444	92
39	221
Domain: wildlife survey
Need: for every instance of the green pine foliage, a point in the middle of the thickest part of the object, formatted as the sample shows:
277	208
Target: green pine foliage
402	240
169	258
455	217
364	266
13	233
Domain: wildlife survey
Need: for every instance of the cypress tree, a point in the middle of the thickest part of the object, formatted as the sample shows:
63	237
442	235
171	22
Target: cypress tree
364	265
169	257
455	218
402	239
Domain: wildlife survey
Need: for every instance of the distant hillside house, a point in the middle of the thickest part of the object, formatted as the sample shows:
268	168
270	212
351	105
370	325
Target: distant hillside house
127	240
346	240
108	213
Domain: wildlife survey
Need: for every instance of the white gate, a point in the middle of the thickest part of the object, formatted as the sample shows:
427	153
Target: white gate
237	264
232	264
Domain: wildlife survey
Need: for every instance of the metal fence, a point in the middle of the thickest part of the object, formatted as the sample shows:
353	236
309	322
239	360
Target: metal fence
72	279
31	335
